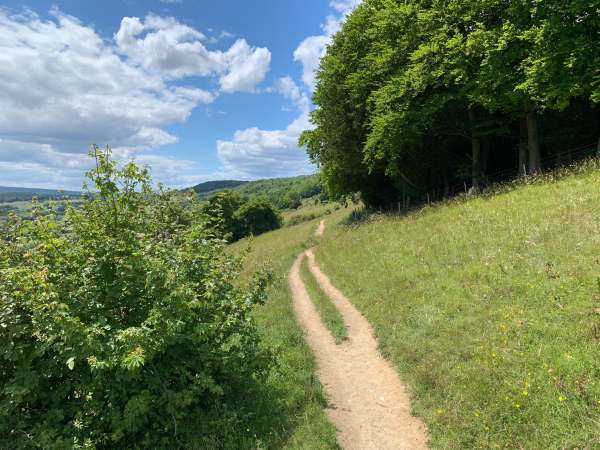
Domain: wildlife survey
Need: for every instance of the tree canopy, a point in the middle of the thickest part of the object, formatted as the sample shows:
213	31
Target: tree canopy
415	97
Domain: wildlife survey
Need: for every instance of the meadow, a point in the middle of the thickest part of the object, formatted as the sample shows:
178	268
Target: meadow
489	308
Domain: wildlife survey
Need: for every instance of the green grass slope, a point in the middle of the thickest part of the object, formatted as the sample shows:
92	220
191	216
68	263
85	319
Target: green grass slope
490	309
299	422
275	189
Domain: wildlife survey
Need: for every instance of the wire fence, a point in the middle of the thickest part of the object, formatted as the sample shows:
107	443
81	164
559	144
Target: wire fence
490	180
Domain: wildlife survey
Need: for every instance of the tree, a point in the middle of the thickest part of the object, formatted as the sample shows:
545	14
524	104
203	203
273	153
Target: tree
291	200
415	96
258	216
221	210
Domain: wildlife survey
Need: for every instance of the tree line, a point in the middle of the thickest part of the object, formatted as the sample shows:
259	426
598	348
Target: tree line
415	97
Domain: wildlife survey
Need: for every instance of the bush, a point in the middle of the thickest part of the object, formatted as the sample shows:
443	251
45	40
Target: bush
291	200
258	216
221	209
234	216
120	326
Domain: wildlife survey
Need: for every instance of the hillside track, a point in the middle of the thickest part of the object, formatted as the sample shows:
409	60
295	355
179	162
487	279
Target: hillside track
368	403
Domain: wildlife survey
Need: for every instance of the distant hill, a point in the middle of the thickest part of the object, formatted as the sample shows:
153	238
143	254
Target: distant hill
15	194
219	185
278	190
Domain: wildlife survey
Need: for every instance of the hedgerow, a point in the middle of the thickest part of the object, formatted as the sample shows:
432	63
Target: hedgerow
121	325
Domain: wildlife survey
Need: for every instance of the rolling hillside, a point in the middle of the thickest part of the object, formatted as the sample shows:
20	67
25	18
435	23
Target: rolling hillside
275	189
15	194
488	307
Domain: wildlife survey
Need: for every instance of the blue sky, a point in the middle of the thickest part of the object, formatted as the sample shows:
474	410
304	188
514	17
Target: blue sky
198	90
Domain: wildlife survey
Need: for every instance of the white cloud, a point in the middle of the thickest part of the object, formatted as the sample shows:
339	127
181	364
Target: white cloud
313	48
175	50
246	67
344	6
287	87
64	86
309	53
255	153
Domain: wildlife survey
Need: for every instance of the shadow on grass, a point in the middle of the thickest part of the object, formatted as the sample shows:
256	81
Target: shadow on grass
258	415
358	216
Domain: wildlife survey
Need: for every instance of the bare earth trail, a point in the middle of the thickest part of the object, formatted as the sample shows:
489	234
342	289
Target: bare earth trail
368	403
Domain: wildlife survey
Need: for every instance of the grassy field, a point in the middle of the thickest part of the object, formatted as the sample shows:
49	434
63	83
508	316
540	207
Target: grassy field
309	211
299	421
23	208
490	309
329	314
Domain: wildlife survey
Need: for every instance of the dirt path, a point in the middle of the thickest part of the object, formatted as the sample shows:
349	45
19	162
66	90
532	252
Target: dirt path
368	404
320	229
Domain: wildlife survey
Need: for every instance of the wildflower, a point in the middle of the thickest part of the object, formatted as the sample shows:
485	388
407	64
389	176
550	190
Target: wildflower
561	398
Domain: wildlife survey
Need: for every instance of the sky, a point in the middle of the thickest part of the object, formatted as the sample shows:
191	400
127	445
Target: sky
198	90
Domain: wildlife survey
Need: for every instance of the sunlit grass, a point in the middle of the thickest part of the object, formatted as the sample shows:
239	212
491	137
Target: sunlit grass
293	380
328	312
490	310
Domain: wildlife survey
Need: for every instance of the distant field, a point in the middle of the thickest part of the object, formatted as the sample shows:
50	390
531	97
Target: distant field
23	208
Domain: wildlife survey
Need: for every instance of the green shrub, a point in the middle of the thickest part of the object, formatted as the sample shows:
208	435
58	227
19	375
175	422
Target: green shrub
291	200
221	209
258	216
120	327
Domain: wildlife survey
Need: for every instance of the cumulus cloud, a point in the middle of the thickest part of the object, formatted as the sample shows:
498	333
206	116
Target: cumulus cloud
64	86
287	87
255	153
175	50
246	67
313	48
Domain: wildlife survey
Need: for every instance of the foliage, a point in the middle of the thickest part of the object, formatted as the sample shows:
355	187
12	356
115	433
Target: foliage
235	216
221	209
489	308
278	190
291	200
411	93
121	326
258	216
212	186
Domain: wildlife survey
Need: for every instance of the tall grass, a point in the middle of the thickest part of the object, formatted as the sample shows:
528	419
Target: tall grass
489	308
330	316
300	421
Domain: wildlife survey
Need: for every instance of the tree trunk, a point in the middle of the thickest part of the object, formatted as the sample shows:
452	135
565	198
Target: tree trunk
598	116
446	185
523	147
486	145
476	153
533	143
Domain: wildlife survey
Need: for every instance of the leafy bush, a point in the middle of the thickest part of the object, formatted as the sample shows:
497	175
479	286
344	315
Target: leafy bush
221	211
234	216
120	326
258	216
